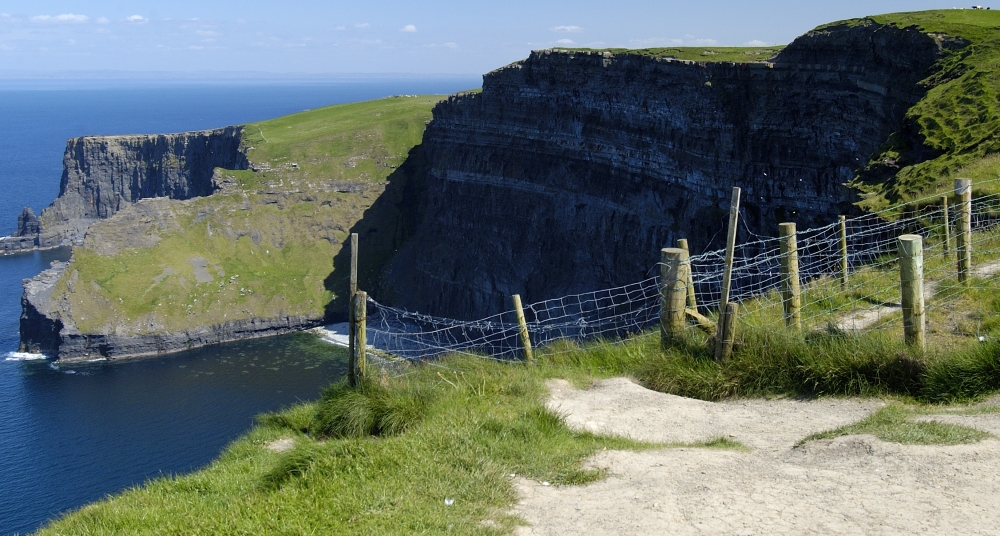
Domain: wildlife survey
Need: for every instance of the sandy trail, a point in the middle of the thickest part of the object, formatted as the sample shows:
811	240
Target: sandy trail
862	319
848	485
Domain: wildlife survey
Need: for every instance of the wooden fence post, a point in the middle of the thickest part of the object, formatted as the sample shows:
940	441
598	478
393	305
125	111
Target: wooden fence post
947	225
727	331
675	271
791	294
963	235
843	253
352	290
529	358
358	364
911	282
727	273
692	300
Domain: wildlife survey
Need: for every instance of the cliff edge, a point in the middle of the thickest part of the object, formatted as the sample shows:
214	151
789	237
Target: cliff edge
572	169
103	174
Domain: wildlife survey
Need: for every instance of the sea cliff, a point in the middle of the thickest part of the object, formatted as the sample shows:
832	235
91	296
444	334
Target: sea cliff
572	169
103	174
187	240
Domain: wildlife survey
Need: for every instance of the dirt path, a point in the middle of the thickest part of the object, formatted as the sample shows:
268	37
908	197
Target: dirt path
848	485
863	318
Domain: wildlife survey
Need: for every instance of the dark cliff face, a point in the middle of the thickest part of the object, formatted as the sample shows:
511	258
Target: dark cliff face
101	174
571	170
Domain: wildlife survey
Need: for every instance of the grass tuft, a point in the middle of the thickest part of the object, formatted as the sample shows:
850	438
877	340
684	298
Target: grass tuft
967	375
373	409
894	423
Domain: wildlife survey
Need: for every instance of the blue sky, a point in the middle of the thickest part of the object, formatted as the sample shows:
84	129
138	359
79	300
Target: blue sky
380	36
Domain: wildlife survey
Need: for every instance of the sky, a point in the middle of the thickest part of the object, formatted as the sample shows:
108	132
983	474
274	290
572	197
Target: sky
42	37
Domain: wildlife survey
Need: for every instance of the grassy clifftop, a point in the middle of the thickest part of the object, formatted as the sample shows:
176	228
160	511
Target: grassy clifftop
734	54
262	246
954	127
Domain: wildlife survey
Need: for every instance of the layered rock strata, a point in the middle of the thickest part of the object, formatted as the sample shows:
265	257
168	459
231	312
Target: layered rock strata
103	174
571	170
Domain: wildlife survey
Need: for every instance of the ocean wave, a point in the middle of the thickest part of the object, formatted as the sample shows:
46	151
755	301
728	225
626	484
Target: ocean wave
23	356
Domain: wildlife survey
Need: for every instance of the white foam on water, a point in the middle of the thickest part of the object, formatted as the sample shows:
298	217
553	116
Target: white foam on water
338	334
24	356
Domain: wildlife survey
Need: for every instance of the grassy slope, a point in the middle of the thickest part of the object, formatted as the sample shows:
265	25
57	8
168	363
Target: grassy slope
269	239
958	118
456	431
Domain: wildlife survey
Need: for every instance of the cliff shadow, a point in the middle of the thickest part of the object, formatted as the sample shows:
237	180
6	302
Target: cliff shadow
382	231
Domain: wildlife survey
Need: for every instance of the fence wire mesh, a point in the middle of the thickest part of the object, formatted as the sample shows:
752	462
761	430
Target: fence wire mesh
869	299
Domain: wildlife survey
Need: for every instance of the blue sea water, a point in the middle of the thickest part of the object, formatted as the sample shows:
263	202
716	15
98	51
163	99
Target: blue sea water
71	435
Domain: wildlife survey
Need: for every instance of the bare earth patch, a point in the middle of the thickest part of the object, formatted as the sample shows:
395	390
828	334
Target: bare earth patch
848	485
284	444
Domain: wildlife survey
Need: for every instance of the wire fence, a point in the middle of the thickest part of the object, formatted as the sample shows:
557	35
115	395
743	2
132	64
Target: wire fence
869	300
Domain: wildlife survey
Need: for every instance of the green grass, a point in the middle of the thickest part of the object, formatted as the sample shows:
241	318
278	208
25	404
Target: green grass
955	123
357	142
731	54
270	239
895	423
381	459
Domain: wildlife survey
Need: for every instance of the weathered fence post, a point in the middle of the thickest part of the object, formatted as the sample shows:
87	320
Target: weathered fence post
358	364
675	271
529	358
843	253
692	301
352	290
727	331
947	225
911	282
727	273
963	235
791	297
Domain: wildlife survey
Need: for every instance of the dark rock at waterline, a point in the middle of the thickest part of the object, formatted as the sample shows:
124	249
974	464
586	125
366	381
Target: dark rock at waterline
47	328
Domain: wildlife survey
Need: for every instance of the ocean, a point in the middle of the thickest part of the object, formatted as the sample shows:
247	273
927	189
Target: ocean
70	435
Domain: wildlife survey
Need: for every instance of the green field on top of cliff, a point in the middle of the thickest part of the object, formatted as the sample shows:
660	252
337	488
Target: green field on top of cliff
265	245
733	54
954	126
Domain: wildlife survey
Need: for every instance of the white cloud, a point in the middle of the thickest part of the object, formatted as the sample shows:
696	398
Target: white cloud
755	43
69	17
103	20
570	29
340	28
241	21
65	17
702	42
409	28
450	45
139	19
195	47
565	42
362	25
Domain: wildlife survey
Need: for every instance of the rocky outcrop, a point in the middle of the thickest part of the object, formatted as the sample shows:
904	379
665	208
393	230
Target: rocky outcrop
25	237
103	174
47	327
571	170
